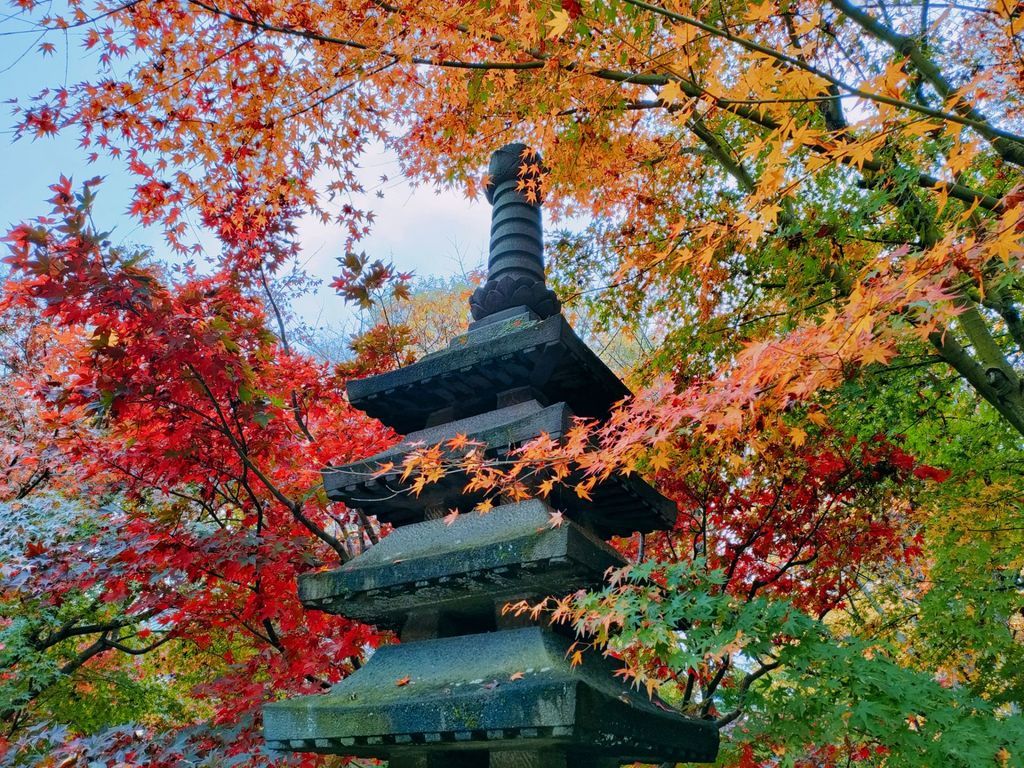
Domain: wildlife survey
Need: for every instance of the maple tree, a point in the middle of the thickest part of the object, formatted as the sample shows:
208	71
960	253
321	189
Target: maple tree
186	441
810	211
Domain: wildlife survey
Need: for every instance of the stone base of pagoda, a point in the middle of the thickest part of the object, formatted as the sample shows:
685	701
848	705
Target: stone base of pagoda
508	759
507	691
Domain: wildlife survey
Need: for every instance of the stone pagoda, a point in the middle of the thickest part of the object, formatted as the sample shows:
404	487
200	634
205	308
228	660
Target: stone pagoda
468	687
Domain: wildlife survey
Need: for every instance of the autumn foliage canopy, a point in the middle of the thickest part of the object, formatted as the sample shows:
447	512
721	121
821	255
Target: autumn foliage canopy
794	226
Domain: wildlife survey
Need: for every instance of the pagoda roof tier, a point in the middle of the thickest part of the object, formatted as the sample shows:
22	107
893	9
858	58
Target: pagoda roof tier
617	507
464	567
500	690
507	351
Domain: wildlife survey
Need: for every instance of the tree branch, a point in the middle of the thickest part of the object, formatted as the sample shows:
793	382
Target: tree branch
1009	146
826	76
307	34
744	689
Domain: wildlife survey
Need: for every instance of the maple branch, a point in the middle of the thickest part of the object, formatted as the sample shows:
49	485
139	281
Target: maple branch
997	382
795	62
1009	146
90	20
713	686
1008	404
744	690
70	630
792	561
270	638
282	333
337	91
741	549
997	299
985	346
34	481
364	522
291	505
105	642
831	108
283	336
721	153
307	34
272	635
691	678
139	651
95	648
955	190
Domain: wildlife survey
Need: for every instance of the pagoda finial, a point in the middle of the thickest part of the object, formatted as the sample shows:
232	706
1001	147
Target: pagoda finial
515	267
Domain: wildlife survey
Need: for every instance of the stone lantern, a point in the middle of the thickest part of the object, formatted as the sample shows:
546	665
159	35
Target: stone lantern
468	687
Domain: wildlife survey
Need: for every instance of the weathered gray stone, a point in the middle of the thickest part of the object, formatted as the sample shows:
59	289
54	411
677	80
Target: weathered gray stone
466	567
515	267
460	694
617	507
500	428
518	352
439	760
470	686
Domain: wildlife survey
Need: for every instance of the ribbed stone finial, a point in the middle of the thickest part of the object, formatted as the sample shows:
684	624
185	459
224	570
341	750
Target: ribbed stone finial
515	267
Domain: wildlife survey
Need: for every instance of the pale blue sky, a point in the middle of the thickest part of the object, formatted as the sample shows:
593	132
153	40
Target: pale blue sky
419	230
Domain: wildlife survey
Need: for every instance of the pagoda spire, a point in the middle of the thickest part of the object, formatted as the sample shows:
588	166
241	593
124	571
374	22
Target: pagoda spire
515	266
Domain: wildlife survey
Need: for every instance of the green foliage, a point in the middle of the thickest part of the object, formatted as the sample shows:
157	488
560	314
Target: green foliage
118	695
800	682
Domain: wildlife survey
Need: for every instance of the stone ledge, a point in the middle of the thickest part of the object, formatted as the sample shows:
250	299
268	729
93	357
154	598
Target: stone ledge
467	566
447	738
517	352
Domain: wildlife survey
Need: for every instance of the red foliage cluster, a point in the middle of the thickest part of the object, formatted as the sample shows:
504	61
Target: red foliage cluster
205	436
797	523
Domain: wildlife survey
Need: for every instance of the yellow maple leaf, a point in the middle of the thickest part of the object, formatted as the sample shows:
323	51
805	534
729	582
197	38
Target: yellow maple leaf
875	353
1007	242
895	79
684	34
671	93
920	128
859	153
818	418
661	460
761	12
558	24
1005	246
